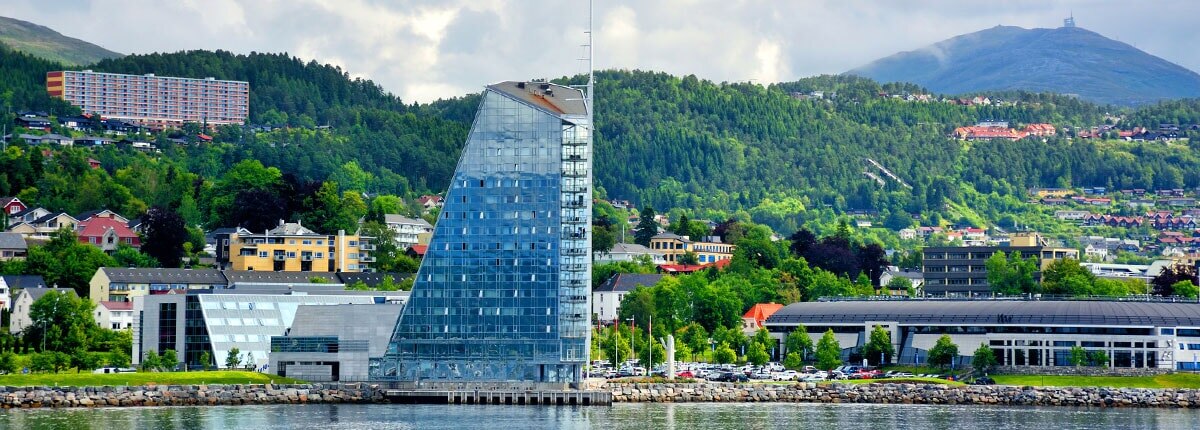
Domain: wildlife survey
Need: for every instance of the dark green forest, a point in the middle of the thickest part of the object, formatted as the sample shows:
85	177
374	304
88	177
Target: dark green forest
717	150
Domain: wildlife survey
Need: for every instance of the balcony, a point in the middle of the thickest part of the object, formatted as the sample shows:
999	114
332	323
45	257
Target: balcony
366	246
280	257
574	204
306	257
367	259
574	251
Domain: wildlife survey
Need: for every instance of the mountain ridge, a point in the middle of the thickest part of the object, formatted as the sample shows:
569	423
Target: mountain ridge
1066	60
43	42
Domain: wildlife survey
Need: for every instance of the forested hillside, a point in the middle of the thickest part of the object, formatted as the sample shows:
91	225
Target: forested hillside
715	150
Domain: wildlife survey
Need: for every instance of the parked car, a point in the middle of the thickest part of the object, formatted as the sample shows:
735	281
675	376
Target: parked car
686	374
111	369
732	377
983	380
815	377
786	375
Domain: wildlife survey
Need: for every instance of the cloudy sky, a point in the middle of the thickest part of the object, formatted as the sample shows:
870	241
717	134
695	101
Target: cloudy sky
427	49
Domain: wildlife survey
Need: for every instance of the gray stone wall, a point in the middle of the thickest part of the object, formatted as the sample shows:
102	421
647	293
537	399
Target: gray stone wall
1078	371
906	394
186	395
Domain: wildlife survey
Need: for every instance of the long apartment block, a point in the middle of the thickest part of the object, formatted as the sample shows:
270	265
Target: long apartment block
153	101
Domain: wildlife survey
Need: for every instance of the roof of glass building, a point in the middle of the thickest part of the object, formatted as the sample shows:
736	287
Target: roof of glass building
554	98
1007	312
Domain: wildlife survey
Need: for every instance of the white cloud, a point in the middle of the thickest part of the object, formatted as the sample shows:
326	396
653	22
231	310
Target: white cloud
426	49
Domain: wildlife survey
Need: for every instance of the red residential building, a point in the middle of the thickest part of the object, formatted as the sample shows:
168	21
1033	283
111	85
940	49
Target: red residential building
12	205
107	233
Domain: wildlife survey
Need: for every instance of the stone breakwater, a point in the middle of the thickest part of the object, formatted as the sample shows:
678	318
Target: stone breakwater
899	393
186	395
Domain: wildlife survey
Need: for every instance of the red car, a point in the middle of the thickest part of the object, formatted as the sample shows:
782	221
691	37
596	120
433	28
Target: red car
686	374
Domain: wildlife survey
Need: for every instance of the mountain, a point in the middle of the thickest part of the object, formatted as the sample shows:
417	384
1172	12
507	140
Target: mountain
716	150
43	42
1066	60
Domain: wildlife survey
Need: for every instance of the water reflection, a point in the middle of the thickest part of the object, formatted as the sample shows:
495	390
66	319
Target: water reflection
642	416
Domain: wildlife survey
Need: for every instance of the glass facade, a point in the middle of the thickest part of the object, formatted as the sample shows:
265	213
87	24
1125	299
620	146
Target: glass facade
502	292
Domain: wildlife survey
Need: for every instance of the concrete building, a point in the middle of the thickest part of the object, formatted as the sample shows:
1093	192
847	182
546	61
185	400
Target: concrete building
606	299
114	315
19	320
628	252
409	231
290	247
1020	332
960	270
154	101
673	246
326	343
243	316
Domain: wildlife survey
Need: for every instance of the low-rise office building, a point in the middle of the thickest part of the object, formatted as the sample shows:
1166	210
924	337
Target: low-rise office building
329	343
962	270
1133	334
243	315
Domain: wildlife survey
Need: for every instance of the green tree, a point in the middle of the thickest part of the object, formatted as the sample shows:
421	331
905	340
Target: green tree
899	283
8	362
943	352
66	262
61	321
757	354
799	342
1012	274
829	352
1185	289
603	239
1098	358
233	359
724	354
168	360
793	361
879	347
206	360
164	233
1067	276
1077	356
984	358
151	362
128	256
646	227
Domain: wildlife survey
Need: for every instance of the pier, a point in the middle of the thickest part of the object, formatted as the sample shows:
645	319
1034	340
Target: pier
496	394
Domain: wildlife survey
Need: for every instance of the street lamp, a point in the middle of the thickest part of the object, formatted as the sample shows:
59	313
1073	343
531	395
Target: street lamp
632	333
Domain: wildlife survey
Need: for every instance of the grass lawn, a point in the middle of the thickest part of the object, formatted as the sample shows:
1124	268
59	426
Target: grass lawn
142	378
1177	380
903	381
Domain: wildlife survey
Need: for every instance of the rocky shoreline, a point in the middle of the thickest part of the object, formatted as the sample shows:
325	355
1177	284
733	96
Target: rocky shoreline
882	393
905	393
186	395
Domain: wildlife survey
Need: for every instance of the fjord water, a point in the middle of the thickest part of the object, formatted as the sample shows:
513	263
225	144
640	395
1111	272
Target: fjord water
694	416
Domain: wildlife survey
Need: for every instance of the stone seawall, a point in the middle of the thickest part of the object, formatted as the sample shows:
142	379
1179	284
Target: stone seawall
186	395
934	394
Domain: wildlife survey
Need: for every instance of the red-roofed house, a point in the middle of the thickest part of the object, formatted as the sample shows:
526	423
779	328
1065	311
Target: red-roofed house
107	233
204	137
417	251
1040	129
114	315
430	201
11	205
754	318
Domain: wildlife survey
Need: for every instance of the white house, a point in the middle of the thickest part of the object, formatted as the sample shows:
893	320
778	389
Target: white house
628	252
114	315
22	302
606	299
409	231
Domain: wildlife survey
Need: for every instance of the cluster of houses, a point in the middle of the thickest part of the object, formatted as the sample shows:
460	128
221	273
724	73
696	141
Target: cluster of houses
1164	133
103	228
986	130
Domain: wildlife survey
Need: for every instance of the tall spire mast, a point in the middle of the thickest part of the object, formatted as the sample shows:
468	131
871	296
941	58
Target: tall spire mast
591	73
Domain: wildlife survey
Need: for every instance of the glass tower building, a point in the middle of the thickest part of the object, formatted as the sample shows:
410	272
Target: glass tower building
502	292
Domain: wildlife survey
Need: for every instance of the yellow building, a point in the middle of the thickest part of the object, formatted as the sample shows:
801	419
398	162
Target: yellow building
673	246
291	247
